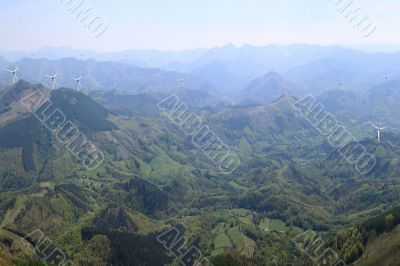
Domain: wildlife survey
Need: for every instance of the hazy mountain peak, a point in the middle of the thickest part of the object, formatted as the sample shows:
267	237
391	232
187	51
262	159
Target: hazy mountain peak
11	106
265	89
273	75
20	88
229	46
21	84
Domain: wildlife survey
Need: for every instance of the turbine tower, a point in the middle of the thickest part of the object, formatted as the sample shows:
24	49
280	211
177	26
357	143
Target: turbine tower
379	131
78	83
14	75
53	79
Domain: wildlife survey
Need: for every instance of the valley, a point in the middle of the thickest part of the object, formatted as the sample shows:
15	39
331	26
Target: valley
153	178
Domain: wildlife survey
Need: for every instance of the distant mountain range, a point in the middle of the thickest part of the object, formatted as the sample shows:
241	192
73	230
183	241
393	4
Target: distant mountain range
102	75
229	68
144	58
228	71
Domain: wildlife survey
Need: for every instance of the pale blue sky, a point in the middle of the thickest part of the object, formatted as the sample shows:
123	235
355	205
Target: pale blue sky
181	24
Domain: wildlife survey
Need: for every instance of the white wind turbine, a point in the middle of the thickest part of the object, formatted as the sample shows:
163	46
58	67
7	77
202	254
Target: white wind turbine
14	74
182	83
53	79
379	131
286	92
78	83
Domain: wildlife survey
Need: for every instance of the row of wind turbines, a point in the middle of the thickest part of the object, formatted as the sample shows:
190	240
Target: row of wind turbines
53	79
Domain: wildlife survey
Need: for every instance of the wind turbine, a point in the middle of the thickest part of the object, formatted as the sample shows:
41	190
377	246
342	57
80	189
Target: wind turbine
53	79
379	131
14	74
182	83
78	82
286	92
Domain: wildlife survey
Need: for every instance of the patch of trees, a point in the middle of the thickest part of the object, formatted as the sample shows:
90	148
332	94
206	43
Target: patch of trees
145	196
79	107
350	244
232	259
278	207
24	133
96	252
114	218
130	248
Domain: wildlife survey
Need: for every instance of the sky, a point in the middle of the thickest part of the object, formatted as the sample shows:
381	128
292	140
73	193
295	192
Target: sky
187	24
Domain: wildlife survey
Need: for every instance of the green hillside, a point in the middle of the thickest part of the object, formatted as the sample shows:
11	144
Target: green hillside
80	108
154	178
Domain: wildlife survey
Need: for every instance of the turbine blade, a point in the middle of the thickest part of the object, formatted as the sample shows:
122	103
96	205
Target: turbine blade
374	126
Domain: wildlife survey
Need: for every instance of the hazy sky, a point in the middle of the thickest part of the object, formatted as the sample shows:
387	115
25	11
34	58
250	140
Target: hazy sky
180	24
